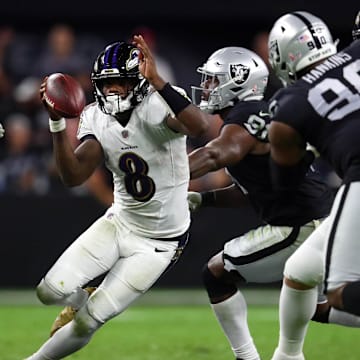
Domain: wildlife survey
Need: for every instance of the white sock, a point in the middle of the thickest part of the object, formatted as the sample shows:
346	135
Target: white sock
296	308
63	343
343	318
66	341
232	316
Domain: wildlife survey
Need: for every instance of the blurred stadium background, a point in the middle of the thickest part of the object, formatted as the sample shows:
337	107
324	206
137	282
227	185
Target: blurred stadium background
39	217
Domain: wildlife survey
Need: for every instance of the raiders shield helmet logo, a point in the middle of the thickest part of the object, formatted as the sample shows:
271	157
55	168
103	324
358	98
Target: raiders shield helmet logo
239	73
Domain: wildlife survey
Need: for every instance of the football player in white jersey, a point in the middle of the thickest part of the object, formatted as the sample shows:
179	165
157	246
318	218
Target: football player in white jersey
137	126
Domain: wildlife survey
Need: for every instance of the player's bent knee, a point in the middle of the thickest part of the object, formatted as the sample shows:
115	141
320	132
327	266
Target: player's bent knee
84	323
103	306
47	294
215	287
307	270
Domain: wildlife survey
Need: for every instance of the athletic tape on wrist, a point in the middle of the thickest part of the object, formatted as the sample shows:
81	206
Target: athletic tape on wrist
175	100
57	125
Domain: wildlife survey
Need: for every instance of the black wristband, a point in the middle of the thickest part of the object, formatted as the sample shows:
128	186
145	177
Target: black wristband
208	198
175	100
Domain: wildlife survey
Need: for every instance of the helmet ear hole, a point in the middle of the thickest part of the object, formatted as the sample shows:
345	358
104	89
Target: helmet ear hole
235	90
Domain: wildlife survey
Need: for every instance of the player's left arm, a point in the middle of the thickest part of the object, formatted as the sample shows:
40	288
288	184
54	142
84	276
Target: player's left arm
229	148
187	119
285	143
289	158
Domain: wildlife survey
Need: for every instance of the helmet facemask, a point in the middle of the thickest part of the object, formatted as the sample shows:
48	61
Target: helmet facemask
113	104
208	95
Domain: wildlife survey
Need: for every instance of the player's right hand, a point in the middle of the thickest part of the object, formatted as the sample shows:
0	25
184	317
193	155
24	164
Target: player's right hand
147	65
194	200
2	131
52	113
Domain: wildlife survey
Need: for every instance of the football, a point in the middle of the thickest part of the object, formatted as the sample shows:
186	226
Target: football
65	95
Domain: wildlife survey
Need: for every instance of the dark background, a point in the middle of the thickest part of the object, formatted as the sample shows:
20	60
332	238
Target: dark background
180	14
188	31
35	230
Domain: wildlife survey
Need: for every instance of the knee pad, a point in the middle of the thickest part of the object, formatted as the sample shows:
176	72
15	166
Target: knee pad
47	294
106	304
305	268
351	298
215	287
84	322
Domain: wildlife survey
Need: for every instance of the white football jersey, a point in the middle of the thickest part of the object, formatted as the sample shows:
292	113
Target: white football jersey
149	164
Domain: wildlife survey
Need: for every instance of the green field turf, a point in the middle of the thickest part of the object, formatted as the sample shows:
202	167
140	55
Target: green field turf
165	331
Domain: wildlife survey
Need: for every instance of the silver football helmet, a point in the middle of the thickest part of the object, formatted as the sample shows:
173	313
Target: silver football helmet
230	74
297	40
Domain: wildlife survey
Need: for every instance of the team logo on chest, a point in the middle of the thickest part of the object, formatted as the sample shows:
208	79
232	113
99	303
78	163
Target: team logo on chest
239	73
125	134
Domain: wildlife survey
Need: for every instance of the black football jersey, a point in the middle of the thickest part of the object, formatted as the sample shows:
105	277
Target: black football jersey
312	200
324	107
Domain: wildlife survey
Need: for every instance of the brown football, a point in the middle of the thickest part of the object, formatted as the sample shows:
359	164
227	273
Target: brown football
65	95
